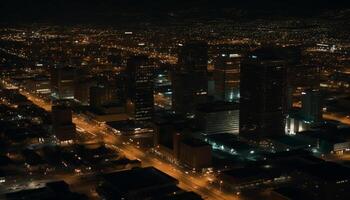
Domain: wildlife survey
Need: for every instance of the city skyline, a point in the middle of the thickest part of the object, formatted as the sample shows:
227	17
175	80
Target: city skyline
182	100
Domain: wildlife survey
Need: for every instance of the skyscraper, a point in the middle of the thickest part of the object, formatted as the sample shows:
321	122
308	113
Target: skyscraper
227	77
82	84
140	88
311	105
263	91
120	87
62	125
62	82
100	95
190	81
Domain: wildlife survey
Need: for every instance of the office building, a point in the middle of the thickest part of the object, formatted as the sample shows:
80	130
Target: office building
39	84
140	88
120	87
195	153
227	77
100	95
82	84
311	106
105	103
190	81
51	190
326	181
218	117
263	91
62	82
62	126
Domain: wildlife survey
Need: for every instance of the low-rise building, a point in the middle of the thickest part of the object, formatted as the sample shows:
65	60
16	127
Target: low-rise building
195	153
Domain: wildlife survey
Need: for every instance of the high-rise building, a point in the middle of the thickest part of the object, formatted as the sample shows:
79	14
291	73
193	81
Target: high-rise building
39	84
263	91
100	95
193	56
62	82
120	87
218	117
311	105
62	125
163	88
227	77
110	87
81	91
140	88
190	81
82	84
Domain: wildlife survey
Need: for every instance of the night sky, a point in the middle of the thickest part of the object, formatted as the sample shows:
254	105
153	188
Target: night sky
95	10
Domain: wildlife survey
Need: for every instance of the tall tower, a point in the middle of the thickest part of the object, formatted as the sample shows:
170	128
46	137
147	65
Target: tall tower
190	81
227	77
100	95
311	108
140	88
263	91
62	82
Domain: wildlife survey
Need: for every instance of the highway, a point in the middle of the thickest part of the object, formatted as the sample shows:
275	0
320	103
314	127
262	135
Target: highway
191	181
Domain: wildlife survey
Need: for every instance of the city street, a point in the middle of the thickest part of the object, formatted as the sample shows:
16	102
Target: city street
189	181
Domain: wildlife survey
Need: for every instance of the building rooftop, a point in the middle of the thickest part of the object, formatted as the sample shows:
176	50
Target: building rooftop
138	178
195	142
52	191
253	173
296	141
328	171
218	107
293	193
125	126
230	140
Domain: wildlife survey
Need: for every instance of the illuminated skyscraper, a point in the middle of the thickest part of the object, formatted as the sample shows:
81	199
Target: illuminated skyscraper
82	84
263	91
218	117
100	95
311	107
62	82
140	88
227	77
190	81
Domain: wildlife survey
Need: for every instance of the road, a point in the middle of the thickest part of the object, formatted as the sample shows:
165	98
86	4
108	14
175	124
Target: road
337	117
190	181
